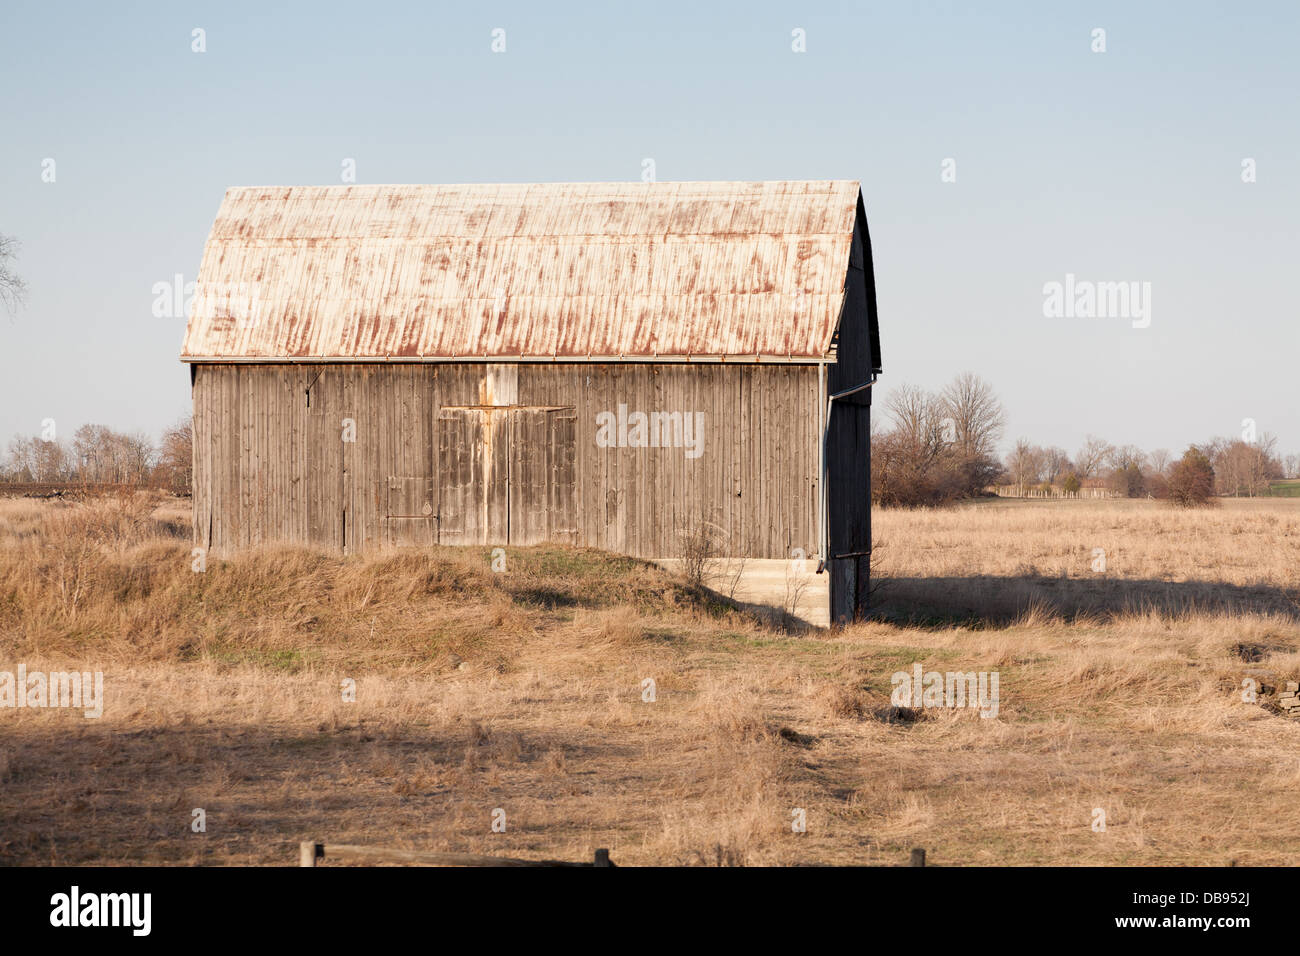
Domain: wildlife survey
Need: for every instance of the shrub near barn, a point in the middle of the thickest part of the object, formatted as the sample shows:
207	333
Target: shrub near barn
1191	480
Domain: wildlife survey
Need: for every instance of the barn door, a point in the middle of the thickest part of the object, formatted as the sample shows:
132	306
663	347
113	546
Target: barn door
543	447
460	476
561	491
411	518
506	475
474	475
527	513
541	475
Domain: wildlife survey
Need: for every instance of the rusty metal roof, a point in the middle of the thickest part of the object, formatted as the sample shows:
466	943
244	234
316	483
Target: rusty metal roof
546	271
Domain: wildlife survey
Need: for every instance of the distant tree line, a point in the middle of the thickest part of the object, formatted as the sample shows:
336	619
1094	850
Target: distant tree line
98	455
935	448
1239	468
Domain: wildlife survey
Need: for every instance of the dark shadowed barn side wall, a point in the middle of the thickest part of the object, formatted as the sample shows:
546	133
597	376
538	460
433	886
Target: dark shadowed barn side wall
848	436
442	455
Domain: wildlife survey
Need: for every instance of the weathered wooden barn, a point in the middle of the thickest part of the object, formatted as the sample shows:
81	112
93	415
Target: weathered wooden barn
606	365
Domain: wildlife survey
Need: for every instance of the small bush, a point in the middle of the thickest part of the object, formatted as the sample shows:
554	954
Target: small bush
701	548
1128	481
1191	480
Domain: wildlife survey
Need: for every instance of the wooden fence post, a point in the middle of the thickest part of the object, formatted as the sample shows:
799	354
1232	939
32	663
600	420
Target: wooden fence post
918	857
311	853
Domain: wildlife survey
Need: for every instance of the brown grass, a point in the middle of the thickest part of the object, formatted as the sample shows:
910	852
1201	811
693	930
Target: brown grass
995	560
523	691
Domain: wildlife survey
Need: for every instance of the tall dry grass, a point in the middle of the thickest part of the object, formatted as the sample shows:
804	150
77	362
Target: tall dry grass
526	691
995	560
117	577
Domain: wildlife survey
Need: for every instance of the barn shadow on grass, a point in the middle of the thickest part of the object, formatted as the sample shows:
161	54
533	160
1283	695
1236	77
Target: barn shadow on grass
991	600
129	797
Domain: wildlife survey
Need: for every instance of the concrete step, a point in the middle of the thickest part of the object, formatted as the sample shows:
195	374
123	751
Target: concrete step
769	582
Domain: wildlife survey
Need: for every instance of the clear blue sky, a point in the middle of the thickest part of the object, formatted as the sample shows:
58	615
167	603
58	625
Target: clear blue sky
1115	166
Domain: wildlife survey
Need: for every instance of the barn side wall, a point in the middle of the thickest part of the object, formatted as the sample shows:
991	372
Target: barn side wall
848	437
271	463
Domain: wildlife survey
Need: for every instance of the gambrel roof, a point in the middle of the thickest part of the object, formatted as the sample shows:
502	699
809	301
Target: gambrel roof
608	271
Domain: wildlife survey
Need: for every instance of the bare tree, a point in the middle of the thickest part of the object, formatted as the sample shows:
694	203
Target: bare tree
34	459
1092	457
913	413
1265	465
1160	460
972	420
918	425
1216	446
1056	465
1124	456
976	414
1245	468
913	464
138	457
1024	463
103	455
12	288
175	468
92	452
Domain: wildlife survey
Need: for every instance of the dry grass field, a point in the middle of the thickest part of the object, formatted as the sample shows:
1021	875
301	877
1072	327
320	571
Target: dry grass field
1119	691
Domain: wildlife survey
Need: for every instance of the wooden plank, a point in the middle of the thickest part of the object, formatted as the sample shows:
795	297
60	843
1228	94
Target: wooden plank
346	505
527	482
496	477
562	524
460	480
304	456
230	461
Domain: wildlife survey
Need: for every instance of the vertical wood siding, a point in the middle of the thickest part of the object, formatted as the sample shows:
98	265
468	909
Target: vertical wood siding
271	463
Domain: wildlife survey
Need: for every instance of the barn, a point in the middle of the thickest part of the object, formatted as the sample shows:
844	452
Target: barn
608	365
